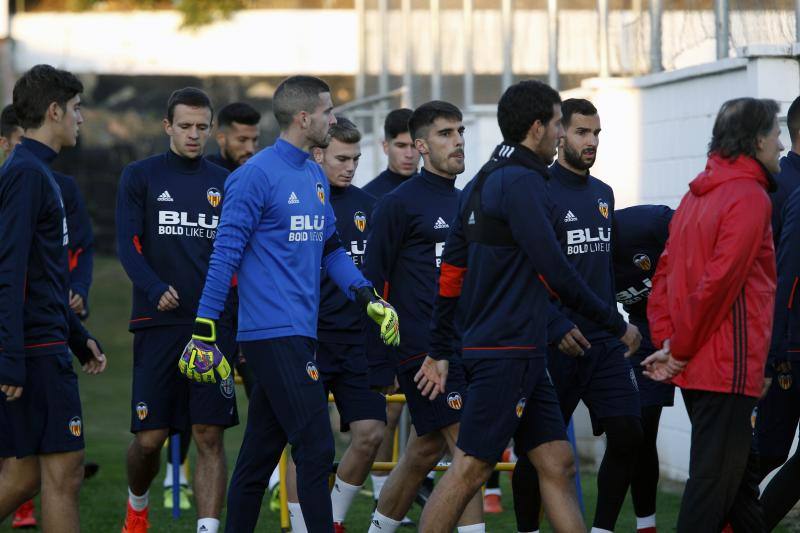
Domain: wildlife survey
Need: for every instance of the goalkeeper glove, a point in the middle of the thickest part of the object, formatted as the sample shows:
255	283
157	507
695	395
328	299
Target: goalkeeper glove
201	357
382	313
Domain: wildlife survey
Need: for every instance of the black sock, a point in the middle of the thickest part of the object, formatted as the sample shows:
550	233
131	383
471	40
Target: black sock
644	482
624	438
527	500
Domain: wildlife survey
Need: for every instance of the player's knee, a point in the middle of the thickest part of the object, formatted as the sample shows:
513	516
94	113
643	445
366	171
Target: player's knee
316	450
150	442
624	435
471	470
560	464
368	440
208	439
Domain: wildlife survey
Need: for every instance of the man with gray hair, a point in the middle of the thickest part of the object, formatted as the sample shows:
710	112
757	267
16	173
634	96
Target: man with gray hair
710	312
277	231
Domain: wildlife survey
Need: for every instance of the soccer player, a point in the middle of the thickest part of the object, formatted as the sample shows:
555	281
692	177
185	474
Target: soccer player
404	253
278	232
501	261
81	238
640	235
341	357
403	159
778	412
80	256
168	208
400	151
585	360
710	312
237	135
42	434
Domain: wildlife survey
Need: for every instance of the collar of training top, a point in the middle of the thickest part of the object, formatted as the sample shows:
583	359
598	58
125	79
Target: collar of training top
440	182
40	150
291	153
521	155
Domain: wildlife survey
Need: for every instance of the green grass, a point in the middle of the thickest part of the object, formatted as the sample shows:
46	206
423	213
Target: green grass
106	404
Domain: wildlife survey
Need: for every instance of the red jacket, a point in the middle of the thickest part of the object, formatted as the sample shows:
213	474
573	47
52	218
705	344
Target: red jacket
714	289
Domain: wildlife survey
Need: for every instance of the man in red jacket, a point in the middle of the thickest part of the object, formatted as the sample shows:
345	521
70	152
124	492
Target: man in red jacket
711	312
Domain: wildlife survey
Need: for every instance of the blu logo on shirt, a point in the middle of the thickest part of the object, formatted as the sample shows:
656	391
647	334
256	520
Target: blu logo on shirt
304	228
581	241
180	223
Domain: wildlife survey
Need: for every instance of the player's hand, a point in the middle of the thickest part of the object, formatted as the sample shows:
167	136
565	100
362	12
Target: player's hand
201	360
632	339
169	300
765	387
382	313
432	377
97	364
574	343
12	392
76	303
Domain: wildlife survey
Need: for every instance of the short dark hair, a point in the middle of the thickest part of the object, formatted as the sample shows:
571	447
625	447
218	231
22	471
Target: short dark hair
427	113
8	121
793	119
189	96
738	125
396	123
240	113
581	106
521	105
295	94
38	88
345	131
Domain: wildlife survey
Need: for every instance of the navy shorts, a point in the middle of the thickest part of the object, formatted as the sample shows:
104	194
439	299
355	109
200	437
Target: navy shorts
48	417
428	416
163	398
651	393
344	372
602	378
779	412
508	398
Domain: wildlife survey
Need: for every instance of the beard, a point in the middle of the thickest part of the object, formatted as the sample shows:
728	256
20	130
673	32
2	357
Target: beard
573	157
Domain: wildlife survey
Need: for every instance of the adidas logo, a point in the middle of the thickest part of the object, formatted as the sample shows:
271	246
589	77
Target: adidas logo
570	217
376	524
203	529
164	197
293	199
471	218
441	224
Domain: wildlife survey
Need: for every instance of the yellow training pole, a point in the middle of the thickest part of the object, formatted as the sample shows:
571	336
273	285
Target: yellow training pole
284	496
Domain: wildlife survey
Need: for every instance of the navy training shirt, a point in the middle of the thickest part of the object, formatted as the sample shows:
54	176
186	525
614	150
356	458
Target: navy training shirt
640	236
584	215
409	229
502	292
341	320
34	283
787	180
81	237
168	209
384	183
785	343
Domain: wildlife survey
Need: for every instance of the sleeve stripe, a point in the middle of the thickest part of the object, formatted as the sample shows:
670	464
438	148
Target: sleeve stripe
547	286
73	258
451	280
137	244
385	290
791	295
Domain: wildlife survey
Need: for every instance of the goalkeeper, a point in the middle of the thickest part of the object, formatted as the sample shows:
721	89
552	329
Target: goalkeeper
277	230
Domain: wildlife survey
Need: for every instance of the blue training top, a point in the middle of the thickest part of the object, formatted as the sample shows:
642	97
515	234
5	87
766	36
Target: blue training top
277	229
